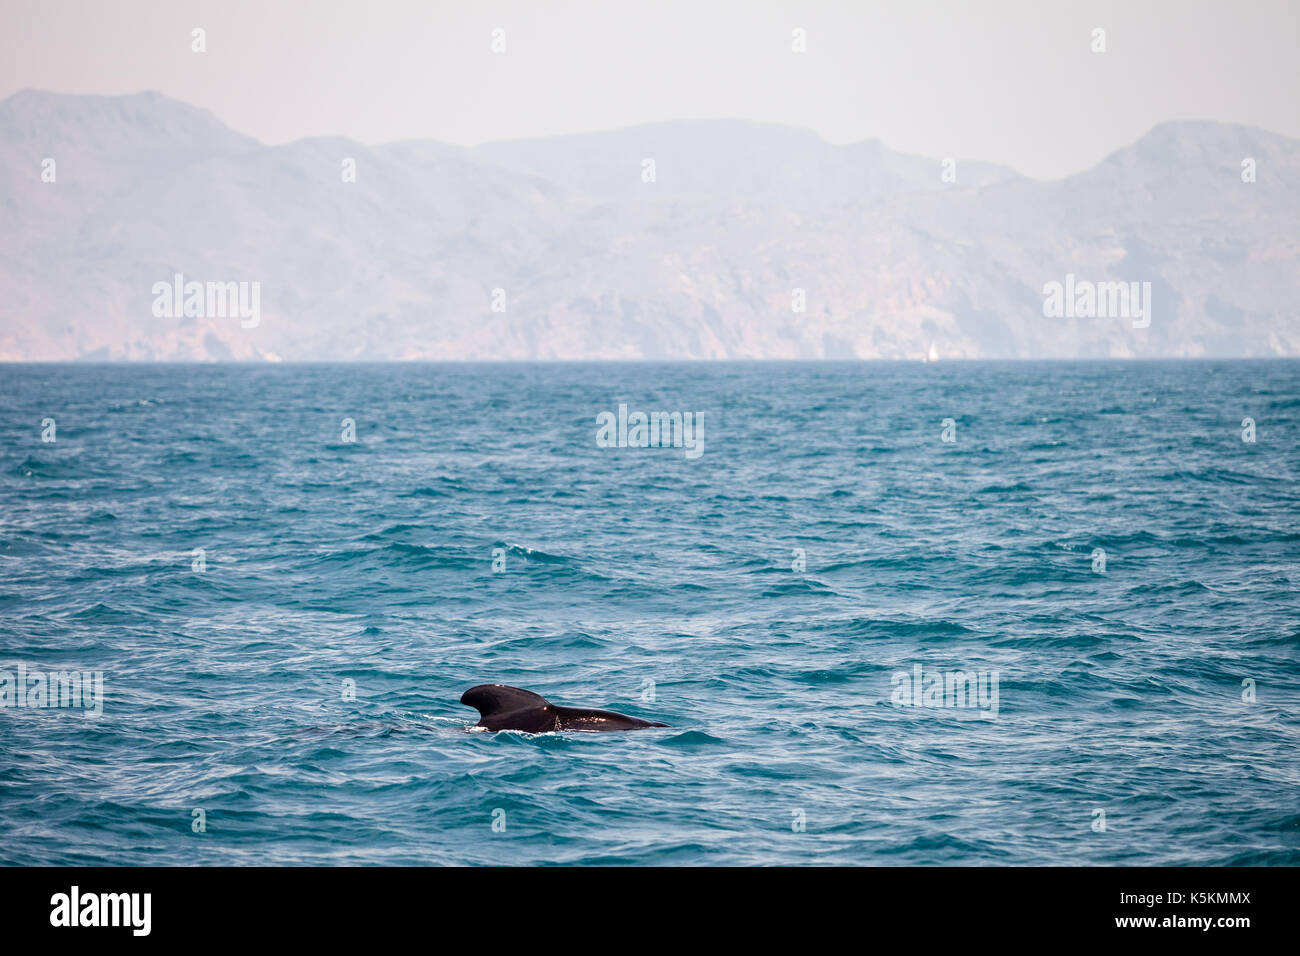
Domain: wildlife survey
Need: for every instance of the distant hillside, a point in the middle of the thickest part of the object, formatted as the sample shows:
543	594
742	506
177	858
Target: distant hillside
596	263
730	159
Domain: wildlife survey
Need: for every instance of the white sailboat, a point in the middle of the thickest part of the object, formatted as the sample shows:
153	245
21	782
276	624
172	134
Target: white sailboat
933	356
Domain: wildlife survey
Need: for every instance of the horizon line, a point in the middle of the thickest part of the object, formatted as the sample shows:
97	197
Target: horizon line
264	363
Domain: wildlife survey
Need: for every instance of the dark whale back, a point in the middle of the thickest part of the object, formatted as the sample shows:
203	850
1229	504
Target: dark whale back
511	708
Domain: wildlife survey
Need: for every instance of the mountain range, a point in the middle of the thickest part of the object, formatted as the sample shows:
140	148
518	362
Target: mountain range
683	240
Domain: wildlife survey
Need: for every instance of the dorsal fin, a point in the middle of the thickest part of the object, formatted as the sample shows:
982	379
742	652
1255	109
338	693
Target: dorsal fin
489	699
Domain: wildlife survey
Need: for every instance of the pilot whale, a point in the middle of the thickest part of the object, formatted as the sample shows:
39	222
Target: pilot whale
510	708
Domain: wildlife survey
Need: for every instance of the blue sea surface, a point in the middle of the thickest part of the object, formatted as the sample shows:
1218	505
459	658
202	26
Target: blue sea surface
1146	713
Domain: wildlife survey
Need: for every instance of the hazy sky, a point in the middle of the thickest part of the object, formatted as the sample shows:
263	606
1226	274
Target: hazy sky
1011	82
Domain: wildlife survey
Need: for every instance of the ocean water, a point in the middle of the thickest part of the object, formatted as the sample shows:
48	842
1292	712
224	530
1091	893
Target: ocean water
1157	696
